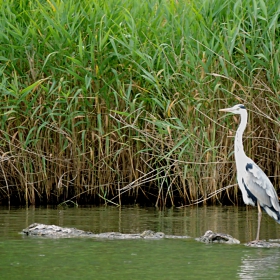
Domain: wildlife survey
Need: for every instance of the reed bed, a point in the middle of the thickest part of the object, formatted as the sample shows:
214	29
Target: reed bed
117	101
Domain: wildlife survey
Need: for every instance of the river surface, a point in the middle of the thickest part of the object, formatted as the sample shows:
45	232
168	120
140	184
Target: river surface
24	257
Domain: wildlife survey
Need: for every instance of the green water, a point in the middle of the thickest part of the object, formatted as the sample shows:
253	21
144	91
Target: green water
23	257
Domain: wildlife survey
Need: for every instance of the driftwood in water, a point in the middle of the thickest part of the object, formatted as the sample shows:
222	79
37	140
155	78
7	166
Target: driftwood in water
56	232
53	231
263	244
213	237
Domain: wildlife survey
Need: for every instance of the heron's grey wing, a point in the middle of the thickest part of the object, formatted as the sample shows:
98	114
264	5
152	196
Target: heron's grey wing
261	187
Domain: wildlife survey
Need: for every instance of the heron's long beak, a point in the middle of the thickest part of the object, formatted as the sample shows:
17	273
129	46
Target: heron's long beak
226	110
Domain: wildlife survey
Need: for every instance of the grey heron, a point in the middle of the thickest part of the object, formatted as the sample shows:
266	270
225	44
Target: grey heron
255	186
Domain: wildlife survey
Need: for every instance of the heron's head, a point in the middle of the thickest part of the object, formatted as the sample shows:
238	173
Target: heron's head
236	109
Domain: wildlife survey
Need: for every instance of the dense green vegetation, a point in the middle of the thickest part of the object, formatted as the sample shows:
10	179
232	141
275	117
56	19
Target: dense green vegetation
117	101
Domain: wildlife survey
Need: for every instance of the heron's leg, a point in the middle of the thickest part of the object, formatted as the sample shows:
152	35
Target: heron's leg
259	221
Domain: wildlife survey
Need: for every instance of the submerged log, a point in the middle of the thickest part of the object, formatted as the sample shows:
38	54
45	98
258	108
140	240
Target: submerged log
56	232
53	231
263	244
213	237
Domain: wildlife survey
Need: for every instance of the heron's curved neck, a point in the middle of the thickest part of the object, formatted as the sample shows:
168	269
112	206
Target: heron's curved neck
238	145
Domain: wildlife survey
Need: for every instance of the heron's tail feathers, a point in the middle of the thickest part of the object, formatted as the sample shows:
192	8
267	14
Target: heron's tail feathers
272	212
